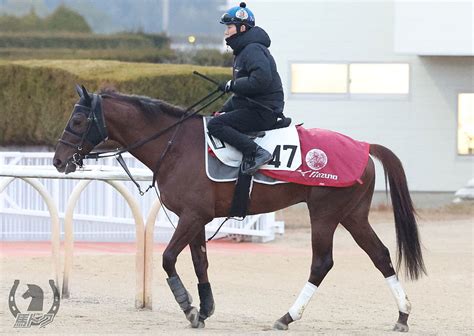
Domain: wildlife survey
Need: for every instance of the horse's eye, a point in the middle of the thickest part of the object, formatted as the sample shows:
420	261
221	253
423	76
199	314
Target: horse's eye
76	124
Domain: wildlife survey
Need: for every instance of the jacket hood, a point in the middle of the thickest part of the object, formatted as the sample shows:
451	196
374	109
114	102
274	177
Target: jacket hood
254	35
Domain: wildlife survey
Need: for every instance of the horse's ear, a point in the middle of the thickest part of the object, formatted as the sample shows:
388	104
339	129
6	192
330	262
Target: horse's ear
79	90
85	93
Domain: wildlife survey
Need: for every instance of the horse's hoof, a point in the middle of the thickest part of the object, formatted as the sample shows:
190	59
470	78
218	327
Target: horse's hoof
192	315
400	327
201	324
278	325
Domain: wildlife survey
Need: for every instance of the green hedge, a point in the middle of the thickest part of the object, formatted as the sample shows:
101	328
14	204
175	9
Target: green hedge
38	40
147	55
37	97
207	57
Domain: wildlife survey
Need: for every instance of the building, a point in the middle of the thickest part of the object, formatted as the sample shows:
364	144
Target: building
396	73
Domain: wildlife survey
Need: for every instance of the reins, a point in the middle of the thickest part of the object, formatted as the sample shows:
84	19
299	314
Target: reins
93	119
104	154
176	125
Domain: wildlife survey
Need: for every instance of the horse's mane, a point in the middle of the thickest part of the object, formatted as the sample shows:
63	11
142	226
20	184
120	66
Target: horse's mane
151	107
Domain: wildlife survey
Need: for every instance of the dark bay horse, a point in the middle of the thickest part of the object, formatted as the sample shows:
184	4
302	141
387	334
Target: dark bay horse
186	190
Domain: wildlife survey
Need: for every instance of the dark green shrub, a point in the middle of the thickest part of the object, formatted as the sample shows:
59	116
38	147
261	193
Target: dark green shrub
77	41
37	96
65	19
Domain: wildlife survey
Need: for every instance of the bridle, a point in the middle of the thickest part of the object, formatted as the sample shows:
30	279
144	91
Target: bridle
96	130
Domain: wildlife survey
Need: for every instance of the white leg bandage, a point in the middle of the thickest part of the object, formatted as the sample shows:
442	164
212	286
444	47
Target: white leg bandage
296	311
402	300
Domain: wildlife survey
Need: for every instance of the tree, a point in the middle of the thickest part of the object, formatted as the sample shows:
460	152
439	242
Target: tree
31	21
65	19
28	23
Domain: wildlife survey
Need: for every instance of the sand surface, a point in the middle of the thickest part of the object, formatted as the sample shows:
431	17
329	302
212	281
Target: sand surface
255	284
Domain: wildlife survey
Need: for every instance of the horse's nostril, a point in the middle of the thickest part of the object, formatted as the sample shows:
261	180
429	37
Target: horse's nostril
57	162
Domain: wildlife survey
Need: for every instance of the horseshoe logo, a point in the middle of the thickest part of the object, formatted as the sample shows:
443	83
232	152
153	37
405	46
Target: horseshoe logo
36	293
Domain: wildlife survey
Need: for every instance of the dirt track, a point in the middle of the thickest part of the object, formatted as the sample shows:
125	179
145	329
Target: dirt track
255	284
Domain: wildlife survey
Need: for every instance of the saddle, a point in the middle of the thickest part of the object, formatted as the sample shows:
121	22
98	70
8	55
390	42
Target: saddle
313	157
281	141
223	165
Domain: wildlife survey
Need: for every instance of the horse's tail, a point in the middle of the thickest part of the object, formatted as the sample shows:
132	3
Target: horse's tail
408	242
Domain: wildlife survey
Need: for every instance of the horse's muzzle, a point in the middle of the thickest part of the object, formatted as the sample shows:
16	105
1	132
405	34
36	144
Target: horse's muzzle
64	167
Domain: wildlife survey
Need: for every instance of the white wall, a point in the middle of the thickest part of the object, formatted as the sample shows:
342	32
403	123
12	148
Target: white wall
421	130
434	27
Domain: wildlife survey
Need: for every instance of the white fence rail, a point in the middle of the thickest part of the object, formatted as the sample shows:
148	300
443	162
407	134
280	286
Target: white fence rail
30	211
101	214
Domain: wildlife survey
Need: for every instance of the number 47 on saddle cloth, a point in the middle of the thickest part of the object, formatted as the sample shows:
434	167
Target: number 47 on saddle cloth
314	156
283	143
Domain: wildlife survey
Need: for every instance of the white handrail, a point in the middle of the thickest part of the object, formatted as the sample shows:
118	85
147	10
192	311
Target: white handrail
53	211
111	175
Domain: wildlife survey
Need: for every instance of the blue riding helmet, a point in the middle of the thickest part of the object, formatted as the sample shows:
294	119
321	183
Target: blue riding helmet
239	15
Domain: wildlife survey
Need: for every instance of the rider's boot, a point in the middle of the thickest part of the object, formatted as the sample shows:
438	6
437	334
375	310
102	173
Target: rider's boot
260	157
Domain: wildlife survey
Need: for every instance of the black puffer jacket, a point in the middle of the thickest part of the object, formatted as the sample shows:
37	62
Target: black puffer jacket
254	73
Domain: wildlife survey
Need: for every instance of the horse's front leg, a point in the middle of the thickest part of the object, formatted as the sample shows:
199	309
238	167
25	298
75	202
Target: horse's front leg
189	226
199	254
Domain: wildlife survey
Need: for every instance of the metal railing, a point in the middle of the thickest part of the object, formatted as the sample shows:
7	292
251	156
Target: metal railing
100	214
30	211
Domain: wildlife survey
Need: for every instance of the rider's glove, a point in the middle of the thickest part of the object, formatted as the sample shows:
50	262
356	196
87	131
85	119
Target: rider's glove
226	86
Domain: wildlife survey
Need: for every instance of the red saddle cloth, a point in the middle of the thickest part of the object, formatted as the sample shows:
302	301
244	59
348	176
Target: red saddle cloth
328	159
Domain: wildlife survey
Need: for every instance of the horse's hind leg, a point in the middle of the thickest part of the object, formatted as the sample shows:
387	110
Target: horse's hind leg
322	232
188	227
199	255
358	226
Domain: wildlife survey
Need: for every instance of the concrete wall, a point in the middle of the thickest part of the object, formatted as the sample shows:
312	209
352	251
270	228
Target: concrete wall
420	129
434	27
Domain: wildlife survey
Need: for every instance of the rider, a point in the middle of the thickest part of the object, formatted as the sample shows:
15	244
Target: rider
255	76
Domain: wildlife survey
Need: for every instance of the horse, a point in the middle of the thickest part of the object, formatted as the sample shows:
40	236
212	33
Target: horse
176	156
